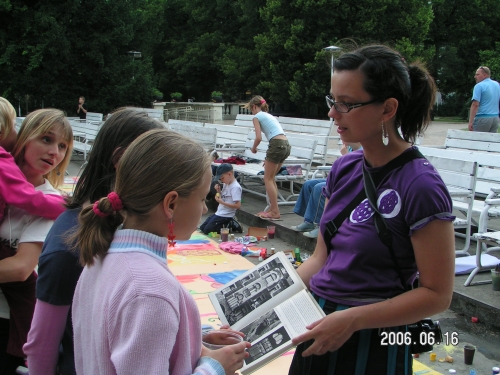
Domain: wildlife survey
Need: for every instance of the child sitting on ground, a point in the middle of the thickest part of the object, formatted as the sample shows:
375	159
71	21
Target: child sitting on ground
229	199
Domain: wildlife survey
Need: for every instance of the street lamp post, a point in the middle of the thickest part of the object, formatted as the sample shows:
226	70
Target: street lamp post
332	50
135	55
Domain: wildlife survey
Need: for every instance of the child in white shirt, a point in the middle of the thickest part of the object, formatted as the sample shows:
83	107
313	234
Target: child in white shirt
229	199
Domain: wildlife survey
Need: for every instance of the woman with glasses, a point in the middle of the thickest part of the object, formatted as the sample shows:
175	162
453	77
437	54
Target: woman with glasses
363	284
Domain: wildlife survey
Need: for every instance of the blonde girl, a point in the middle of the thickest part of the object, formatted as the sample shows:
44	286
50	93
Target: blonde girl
130	314
277	152
14	189
42	152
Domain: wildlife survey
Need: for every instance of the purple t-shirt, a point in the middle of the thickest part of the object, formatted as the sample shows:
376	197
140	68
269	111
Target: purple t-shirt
359	269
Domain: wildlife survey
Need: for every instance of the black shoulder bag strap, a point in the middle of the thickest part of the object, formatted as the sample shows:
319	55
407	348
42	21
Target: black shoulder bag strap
333	225
383	231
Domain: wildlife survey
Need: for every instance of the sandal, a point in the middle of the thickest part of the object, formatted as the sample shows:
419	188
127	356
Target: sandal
267	216
261	213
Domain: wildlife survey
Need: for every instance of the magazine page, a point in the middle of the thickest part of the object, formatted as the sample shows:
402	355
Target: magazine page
257	291
271	333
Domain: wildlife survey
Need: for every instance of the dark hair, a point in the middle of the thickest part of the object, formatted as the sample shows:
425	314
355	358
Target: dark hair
115	135
387	75
156	163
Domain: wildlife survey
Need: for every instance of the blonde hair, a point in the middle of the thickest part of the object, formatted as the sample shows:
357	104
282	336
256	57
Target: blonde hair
258	101
156	163
7	117
40	122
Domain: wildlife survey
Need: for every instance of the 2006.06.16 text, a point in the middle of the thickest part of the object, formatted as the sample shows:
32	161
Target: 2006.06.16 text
424	338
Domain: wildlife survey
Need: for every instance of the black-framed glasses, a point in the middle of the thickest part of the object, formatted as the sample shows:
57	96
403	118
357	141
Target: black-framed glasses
342	107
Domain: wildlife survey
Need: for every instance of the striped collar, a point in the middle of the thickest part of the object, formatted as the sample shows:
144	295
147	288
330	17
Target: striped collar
131	240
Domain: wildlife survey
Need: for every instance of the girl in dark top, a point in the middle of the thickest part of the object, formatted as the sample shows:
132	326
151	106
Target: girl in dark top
59	268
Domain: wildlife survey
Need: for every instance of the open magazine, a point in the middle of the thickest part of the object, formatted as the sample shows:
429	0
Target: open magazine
271	305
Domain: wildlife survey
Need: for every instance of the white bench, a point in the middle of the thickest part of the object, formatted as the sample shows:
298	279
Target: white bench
205	136
184	123
94	117
484	239
488	166
157	114
84	134
244	120
460	179
488	179
303	127
19	122
250	174
230	138
475	141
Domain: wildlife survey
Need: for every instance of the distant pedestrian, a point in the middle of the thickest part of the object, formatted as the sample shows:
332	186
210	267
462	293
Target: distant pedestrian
82	108
485	98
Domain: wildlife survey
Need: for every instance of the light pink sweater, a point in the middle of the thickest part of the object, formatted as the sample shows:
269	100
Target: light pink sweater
132	316
17	191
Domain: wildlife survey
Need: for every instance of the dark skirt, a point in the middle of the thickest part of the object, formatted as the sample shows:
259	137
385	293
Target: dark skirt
21	298
361	354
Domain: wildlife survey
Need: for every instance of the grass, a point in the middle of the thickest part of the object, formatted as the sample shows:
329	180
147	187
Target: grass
455	119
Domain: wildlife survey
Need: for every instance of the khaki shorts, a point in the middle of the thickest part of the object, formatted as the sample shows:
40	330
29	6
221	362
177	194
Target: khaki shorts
278	150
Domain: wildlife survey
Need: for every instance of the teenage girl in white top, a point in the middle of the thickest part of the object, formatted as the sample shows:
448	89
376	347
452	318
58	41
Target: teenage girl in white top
277	152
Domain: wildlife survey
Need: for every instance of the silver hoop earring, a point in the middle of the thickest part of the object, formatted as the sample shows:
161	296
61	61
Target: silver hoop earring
385	136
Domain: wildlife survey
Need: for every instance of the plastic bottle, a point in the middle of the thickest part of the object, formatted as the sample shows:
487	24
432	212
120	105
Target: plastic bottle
273	250
297	255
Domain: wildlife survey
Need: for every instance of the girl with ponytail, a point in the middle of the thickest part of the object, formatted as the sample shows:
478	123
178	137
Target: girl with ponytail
130	314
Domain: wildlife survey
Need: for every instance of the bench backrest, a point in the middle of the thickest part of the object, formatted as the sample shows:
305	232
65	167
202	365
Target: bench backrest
477	141
153	113
19	122
229	134
178	123
488	175
458	175
87	130
93	116
305	125
244	120
205	136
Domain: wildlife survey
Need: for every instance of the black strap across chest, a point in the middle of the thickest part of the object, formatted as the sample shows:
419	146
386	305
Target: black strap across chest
333	225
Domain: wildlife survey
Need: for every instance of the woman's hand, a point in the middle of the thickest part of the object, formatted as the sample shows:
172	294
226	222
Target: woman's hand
329	333
230	357
254	150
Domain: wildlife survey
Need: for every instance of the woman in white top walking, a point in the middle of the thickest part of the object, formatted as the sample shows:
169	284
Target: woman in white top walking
277	152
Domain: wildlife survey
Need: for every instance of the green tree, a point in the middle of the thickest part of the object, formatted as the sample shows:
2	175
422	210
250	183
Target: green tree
294	69
459	31
56	51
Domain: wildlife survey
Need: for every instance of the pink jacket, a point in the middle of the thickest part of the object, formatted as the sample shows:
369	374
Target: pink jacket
16	191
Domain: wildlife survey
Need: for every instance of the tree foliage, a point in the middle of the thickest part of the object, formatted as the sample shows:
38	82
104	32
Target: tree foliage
51	51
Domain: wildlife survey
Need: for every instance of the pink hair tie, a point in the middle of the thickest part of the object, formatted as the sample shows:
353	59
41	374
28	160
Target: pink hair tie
97	211
262	101
116	202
